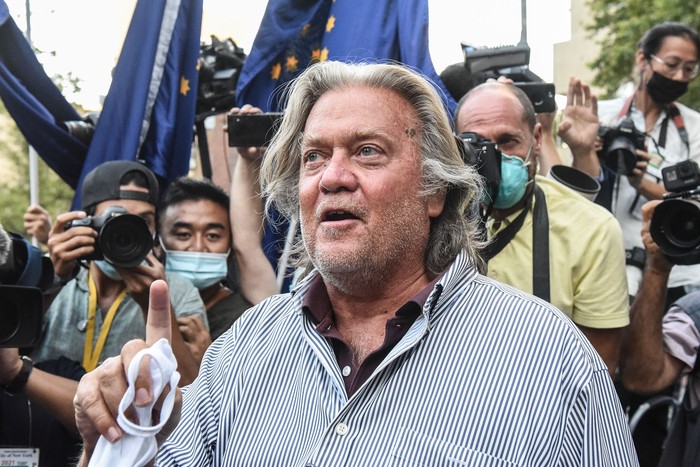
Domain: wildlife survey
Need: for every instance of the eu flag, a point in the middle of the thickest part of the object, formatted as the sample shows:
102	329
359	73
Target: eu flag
295	34
149	110
36	104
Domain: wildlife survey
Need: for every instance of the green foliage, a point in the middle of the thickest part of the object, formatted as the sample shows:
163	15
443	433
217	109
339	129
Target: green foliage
618	25
54	194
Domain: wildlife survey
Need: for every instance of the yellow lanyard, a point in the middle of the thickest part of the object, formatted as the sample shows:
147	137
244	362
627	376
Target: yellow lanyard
91	357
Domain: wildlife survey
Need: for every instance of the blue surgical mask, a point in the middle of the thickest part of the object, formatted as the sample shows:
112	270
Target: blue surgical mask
202	269
108	270
514	179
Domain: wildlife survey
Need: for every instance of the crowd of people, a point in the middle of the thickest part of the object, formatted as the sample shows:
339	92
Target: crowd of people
438	313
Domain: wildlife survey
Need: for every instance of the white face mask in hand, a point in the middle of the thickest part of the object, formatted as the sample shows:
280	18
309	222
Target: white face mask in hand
138	446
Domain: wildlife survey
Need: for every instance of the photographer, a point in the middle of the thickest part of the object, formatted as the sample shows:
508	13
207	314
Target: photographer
546	239
657	132
101	306
36	412
666	62
660	346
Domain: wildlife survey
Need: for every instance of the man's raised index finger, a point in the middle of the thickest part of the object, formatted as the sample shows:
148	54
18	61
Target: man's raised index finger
158	321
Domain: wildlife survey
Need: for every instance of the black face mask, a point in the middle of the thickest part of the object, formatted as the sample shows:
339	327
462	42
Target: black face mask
665	90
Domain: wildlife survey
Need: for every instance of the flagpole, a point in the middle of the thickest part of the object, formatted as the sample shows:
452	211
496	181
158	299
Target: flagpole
33	156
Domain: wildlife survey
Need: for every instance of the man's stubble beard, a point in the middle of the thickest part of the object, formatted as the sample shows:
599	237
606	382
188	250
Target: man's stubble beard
377	256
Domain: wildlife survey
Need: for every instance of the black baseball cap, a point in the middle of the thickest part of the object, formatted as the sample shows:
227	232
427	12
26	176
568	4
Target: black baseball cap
103	183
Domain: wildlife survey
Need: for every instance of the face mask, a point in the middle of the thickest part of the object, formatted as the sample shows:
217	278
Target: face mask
663	90
514	178
202	269
108	270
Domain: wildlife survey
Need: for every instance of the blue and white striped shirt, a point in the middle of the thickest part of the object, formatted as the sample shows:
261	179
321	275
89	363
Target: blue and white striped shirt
487	375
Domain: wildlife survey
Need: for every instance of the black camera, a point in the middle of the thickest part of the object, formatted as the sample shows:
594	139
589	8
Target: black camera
484	155
219	66
25	273
123	239
675	224
619	146
82	129
252	130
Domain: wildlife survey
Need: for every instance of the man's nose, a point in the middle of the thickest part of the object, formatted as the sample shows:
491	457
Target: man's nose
338	174
199	244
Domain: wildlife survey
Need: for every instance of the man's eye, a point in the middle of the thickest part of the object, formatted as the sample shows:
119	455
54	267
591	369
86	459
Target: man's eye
312	157
368	151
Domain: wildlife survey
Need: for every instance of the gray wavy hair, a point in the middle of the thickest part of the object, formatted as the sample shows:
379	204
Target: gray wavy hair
443	171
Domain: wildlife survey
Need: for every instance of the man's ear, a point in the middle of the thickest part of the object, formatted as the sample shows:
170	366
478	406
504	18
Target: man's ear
436	204
158	248
537	144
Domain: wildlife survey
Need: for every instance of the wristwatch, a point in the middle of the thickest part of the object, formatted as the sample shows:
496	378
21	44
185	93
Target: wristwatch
20	380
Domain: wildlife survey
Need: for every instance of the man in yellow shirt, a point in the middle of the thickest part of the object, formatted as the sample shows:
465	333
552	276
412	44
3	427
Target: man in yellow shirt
547	239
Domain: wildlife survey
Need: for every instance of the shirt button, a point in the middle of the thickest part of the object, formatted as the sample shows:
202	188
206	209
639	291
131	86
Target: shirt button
346	370
341	429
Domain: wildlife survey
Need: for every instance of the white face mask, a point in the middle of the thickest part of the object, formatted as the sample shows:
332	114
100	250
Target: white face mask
202	269
108	270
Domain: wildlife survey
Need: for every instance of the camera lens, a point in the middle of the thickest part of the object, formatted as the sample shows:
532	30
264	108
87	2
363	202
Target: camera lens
20	315
675	227
9	322
621	157
683	226
125	240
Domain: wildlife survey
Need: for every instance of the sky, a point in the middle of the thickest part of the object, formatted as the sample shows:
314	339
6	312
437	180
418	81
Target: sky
86	36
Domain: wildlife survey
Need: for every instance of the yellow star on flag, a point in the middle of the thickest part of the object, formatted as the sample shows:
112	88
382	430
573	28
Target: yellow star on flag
305	29
184	86
324	54
330	24
276	71
292	63
316	54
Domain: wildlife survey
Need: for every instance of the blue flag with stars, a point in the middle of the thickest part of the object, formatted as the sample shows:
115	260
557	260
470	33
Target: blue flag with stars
295	34
149	111
36	104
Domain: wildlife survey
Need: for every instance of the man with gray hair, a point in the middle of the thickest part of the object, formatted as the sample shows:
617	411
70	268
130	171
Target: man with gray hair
393	350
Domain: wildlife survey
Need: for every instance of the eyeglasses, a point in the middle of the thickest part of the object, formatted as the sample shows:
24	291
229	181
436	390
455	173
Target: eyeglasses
690	69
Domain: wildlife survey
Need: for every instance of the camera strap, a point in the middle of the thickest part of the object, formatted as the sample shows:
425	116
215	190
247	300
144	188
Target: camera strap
675	114
503	238
540	247
540	242
91	356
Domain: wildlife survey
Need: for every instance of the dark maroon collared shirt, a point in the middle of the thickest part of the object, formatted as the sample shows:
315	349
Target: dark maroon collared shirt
317	307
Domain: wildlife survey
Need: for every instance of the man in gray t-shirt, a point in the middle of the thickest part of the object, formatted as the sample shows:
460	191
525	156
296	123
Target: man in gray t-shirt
103	303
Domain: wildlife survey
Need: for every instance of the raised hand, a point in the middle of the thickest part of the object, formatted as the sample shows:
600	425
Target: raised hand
579	124
100	391
37	223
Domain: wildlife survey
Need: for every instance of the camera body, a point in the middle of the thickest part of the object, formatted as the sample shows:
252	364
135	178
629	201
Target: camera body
484	155
541	95
123	239
619	146
25	273
675	224
252	130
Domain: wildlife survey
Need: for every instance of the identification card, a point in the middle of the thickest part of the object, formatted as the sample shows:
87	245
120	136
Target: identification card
656	161
19	457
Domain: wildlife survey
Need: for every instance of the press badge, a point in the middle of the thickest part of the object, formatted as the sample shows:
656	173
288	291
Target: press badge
655	162
19	457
